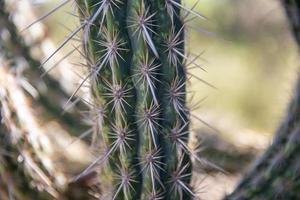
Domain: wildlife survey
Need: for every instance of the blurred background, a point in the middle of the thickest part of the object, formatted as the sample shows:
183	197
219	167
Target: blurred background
249	56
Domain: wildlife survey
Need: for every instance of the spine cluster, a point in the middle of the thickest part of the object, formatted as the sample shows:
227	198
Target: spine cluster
135	55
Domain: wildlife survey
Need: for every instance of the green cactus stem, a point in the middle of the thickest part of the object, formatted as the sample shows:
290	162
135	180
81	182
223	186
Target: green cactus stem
135	52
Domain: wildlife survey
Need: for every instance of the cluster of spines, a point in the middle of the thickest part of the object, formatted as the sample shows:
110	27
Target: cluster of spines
138	78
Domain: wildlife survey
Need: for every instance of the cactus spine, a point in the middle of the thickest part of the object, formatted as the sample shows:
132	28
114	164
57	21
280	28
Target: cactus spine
135	53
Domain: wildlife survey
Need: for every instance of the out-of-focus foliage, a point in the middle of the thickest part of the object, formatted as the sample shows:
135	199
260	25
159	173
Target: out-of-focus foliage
251	58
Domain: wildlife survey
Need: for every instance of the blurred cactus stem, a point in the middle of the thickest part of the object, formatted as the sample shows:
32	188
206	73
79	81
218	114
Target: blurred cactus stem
276	174
135	53
14	182
36	81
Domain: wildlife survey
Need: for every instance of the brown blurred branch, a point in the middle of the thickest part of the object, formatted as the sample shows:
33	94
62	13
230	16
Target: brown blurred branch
50	93
23	131
15	183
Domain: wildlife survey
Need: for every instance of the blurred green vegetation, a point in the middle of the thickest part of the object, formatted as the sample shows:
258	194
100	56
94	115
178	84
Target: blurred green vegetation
251	59
249	55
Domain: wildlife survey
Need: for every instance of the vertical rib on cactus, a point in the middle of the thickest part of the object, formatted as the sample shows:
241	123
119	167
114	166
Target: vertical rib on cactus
146	70
170	43
135	49
112	88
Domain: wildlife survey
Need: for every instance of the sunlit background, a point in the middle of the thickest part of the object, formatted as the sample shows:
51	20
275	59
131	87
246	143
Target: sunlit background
249	56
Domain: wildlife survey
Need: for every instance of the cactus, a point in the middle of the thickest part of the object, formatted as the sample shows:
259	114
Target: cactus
135	54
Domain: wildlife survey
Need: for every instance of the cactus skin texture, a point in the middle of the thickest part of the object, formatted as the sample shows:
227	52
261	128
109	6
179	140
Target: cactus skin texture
135	53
